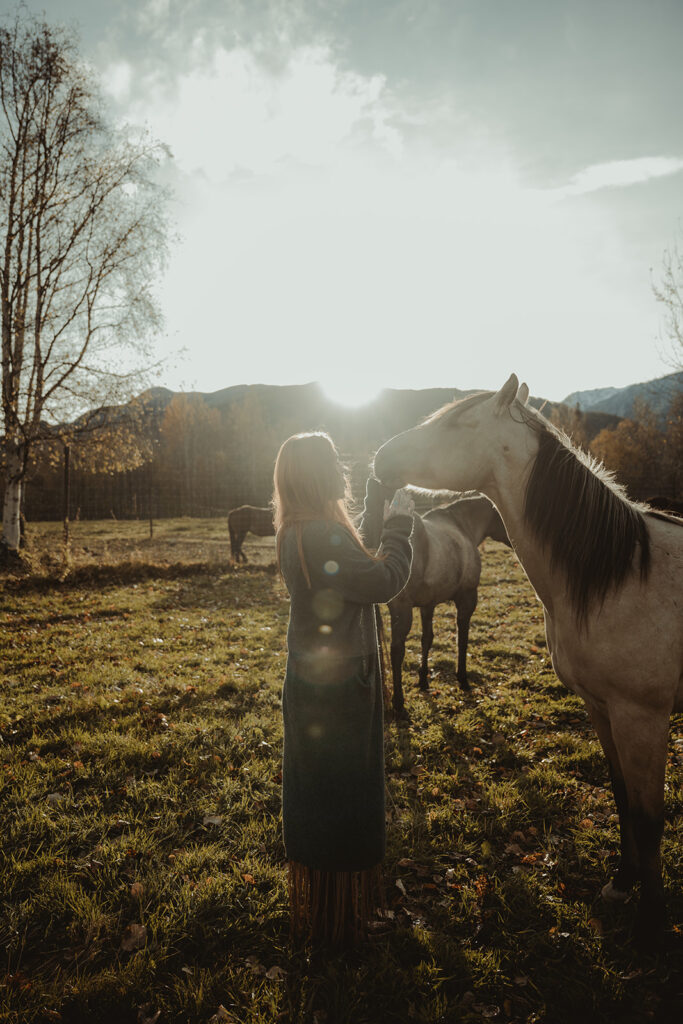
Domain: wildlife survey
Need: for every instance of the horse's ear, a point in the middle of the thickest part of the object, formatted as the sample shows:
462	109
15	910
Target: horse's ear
505	397
523	393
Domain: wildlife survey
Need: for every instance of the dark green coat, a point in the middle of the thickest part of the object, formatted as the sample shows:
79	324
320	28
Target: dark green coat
333	761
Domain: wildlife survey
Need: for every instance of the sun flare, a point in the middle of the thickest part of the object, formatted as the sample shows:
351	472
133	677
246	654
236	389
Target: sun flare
351	392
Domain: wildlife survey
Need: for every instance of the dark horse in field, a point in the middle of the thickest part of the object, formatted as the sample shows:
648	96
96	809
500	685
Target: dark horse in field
666	504
446	567
248	519
609	573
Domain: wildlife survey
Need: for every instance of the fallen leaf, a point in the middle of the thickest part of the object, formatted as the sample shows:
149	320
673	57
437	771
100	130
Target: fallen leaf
146	1014
596	924
249	879
134	937
254	965
221	1016
275	973
400	885
212	819
487	1011
144	1019
137	889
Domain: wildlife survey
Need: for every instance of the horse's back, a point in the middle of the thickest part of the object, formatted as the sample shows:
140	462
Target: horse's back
252	518
236	515
450	562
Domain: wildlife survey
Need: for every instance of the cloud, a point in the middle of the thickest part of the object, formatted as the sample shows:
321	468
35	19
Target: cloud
116	80
619	174
334	224
233	112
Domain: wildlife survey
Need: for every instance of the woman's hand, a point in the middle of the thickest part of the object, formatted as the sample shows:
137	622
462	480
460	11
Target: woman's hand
401	504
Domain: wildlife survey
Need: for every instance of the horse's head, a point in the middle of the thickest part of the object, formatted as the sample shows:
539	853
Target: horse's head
454	448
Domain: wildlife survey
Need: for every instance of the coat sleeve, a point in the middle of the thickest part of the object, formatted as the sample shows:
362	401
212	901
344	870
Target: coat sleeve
337	563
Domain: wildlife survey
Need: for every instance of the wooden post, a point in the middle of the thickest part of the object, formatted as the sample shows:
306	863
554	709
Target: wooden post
150	492
67	497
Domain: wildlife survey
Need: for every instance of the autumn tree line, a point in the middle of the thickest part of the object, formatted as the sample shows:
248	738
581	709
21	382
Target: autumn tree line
645	451
185	459
188	458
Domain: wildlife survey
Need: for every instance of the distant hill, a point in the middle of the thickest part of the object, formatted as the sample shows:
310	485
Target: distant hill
658	394
298	407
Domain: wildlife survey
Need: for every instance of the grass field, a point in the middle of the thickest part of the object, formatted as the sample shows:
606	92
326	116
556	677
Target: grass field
142	866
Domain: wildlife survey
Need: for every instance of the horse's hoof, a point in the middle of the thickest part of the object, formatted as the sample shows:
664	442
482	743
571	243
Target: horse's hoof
401	714
613	895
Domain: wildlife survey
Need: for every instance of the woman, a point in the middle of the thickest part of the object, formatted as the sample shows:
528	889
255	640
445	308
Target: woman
333	762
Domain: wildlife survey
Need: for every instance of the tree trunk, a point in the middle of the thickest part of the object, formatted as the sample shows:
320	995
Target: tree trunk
14	485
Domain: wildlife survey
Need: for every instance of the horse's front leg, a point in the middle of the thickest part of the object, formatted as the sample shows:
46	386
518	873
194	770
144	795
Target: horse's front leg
465	603
640	738
619	888
401	617
427	617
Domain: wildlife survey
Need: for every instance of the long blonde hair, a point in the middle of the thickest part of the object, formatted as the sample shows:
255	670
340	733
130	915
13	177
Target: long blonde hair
309	483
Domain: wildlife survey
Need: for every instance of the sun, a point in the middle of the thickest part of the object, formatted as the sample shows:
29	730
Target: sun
350	391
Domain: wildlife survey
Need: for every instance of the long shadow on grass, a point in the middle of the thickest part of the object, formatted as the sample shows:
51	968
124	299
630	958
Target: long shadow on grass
520	915
98	576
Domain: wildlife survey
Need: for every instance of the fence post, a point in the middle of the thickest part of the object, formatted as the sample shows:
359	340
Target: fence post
67	499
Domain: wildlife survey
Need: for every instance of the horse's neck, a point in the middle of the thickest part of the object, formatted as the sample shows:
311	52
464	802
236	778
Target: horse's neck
507	489
471	520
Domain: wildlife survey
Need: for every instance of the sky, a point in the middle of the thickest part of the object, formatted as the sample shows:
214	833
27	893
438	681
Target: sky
405	193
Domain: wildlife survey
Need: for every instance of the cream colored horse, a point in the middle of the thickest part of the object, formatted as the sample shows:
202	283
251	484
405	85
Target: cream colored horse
609	574
446	566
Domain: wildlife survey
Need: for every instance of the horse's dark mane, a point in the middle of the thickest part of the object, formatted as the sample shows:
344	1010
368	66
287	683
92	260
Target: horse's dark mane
584	519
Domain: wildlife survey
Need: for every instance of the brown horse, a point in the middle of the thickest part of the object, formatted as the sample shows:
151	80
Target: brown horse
665	504
248	519
446	567
609	574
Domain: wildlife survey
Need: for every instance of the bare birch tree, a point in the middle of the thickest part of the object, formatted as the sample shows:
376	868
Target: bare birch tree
669	292
82	235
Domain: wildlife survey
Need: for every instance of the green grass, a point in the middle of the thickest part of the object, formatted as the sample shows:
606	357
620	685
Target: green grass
140	756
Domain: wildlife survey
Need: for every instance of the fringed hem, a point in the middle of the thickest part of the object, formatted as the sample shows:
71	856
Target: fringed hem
332	906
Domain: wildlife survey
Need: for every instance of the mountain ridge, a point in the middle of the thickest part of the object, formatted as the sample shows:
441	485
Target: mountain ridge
658	393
